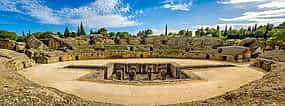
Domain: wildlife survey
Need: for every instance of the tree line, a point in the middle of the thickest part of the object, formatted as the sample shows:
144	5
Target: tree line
268	32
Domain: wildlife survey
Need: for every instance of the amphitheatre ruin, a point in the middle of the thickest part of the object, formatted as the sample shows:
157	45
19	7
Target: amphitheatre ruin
154	70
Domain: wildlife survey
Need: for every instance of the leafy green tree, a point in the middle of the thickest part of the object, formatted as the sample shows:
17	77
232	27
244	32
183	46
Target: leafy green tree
66	33
141	33
122	34
73	34
276	34
8	35
20	39
171	34
145	33
148	32
268	28
182	32
103	31
200	32
188	33
59	34
112	34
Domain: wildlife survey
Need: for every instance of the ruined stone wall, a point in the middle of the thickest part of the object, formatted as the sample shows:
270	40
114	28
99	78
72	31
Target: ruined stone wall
89	55
15	60
7	44
265	64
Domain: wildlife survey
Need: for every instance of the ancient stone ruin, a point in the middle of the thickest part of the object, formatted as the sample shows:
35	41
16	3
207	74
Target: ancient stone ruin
137	71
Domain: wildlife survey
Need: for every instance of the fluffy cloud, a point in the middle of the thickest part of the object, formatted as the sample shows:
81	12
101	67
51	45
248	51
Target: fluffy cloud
100	13
182	5
273	4
239	1
266	11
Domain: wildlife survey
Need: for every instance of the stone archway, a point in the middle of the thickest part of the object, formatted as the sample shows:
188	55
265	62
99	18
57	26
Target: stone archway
224	58
60	59
24	65
207	56
76	57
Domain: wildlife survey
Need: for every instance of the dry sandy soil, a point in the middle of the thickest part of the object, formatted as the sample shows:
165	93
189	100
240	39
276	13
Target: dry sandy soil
216	81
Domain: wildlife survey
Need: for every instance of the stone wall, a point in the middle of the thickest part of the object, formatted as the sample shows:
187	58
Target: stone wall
15	60
145	71
60	57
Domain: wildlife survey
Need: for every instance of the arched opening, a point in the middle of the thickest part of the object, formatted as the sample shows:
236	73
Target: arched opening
207	56
224	58
76	57
141	56
220	50
24	65
164	42
60	59
236	58
131	48
151	49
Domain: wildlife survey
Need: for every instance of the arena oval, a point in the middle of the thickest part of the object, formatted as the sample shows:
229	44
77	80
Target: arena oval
212	81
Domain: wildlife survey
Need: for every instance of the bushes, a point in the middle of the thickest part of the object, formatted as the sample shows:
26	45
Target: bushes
5	35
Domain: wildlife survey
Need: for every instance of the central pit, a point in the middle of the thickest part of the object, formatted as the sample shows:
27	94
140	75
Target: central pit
213	81
135	72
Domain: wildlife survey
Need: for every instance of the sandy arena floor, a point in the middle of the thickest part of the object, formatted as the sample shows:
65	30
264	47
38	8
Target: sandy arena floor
216	81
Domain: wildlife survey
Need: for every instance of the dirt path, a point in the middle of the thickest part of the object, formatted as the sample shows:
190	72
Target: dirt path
216	81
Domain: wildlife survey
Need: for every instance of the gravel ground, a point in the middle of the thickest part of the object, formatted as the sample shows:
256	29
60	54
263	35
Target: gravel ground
16	90
215	81
19	91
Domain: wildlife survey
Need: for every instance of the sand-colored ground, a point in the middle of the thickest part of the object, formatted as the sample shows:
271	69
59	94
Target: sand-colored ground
216	81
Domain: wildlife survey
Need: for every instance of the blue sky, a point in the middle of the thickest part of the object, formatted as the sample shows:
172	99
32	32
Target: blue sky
134	15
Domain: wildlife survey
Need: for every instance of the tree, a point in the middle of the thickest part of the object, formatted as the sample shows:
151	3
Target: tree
182	32
171	34
148	32
103	31
5	35
112	34
20	39
225	31
255	28
218	28
59	34
29	33
188	33
82	31
91	32
73	34
66	33
200	32
268	28
145	33
122	34
23	33
166	30
141	33
78	31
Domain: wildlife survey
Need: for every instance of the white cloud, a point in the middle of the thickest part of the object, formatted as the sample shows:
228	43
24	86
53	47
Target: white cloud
266	11
100	13
234	26
273	4
182	5
239	1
